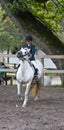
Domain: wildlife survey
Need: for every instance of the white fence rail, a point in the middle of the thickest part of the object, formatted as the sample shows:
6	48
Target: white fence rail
13	70
43	57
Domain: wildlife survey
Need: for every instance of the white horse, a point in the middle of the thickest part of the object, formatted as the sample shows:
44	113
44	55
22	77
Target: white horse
25	74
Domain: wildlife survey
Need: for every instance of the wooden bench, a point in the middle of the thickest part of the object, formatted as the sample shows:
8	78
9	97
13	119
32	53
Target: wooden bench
4	77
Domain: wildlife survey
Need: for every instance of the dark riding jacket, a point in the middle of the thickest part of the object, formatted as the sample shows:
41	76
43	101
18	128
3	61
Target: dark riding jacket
32	51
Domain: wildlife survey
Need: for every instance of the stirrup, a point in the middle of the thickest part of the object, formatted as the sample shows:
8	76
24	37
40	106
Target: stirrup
35	78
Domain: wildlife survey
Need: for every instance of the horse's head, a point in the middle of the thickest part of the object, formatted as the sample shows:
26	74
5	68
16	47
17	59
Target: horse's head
23	53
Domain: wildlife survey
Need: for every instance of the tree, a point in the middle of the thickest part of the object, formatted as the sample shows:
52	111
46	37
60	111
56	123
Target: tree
49	12
9	33
29	22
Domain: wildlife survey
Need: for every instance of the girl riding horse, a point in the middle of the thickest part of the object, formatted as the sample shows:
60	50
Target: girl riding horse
31	46
26	71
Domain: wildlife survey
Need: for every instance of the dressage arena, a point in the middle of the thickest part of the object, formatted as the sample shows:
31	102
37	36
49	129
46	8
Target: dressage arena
45	114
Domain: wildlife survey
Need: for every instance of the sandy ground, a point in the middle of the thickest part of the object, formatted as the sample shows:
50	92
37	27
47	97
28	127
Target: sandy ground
45	114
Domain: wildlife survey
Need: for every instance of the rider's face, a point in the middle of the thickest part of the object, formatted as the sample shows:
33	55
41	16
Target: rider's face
28	42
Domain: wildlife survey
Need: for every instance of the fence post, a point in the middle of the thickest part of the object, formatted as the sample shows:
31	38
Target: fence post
62	79
42	59
3	59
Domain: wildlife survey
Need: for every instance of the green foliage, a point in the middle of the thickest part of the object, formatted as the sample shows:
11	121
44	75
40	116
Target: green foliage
9	33
50	13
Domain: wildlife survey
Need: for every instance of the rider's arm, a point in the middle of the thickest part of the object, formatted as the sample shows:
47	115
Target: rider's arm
32	51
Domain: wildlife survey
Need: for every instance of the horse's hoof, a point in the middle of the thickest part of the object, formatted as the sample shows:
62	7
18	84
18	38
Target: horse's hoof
20	98
36	98
24	105
16	105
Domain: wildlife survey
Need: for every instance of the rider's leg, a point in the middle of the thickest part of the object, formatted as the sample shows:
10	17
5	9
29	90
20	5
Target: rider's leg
36	70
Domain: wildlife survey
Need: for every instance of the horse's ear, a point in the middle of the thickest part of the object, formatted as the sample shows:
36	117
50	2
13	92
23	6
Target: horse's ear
28	50
21	49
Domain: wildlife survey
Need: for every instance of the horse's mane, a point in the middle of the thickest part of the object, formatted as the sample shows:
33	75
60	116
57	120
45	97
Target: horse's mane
38	55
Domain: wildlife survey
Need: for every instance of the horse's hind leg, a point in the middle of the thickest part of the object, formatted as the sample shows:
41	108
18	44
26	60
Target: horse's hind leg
35	90
37	93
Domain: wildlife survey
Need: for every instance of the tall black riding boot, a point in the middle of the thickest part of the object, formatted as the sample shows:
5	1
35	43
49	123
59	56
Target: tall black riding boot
36	75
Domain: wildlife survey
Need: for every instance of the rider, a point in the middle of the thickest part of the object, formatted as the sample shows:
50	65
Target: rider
31	46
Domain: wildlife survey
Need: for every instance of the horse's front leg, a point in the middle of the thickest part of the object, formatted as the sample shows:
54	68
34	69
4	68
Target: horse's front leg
26	94
19	90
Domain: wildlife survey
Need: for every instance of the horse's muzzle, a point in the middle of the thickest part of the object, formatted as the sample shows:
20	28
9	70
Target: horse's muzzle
19	54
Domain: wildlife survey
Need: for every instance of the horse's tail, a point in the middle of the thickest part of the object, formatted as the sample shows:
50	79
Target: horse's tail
35	89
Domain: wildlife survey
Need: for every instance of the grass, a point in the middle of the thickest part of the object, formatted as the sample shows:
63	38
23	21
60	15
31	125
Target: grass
57	86
50	74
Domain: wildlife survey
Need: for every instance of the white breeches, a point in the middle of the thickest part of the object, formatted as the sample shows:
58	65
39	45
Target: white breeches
34	63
